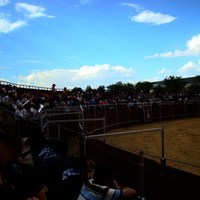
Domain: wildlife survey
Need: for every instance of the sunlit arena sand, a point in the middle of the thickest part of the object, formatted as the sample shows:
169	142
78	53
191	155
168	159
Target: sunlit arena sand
182	143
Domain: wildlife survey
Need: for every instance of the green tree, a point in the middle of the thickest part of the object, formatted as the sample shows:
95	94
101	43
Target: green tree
89	89
174	84
197	80
159	89
116	88
76	90
101	89
144	86
194	88
129	88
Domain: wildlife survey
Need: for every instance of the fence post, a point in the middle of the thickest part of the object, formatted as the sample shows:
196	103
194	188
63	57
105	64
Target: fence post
83	140
141	176
117	114
82	115
163	160
48	134
143	110
160	111
185	109
59	136
163	164
104	125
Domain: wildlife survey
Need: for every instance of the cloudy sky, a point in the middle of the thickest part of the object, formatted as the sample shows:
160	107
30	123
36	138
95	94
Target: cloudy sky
76	43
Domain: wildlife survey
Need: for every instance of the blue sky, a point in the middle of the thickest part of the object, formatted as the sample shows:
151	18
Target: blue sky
76	43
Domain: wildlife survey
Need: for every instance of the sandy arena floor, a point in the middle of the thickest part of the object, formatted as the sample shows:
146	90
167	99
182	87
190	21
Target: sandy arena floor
182	142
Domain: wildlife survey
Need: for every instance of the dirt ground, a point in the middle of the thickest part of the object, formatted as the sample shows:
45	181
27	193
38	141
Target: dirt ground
182	142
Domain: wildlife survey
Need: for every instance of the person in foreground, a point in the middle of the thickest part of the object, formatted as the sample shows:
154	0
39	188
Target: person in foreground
18	180
103	186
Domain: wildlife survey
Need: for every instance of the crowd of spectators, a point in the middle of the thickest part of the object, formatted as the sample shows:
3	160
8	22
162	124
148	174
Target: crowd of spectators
27	103
53	174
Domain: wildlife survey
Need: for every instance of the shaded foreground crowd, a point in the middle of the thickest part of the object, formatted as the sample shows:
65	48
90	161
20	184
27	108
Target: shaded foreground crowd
52	174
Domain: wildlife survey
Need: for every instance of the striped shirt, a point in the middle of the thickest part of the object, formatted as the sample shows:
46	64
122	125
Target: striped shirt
91	191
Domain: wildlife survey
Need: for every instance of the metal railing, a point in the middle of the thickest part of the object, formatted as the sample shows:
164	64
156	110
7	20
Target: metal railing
85	138
6	83
104	135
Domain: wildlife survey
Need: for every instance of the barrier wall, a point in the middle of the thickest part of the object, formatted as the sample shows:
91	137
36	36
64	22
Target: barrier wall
129	114
170	184
158	184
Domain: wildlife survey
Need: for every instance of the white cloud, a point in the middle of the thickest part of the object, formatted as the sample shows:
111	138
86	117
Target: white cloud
151	17
152	79
192	49
86	72
190	68
4	2
126	71
148	16
32	11
86	75
193	45
8	26
133	5
164	71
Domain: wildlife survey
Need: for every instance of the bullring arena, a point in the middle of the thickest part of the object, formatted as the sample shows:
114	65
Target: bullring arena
161	159
182	143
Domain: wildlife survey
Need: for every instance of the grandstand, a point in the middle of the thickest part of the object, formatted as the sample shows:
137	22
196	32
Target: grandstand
85	127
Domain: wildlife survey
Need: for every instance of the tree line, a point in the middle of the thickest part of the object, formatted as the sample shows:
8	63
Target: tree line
171	84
